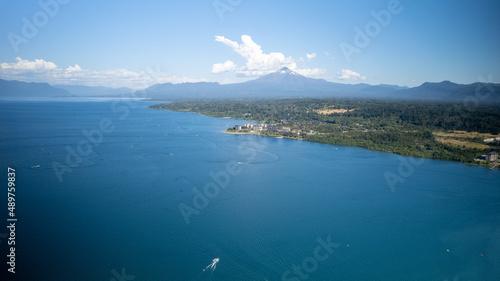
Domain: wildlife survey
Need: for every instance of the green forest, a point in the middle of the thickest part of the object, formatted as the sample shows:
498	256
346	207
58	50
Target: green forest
447	131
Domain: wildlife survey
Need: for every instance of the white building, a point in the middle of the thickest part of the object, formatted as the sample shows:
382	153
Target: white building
491	140
492	156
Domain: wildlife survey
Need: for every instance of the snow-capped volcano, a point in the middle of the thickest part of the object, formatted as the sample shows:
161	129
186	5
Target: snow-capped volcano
285	77
286	71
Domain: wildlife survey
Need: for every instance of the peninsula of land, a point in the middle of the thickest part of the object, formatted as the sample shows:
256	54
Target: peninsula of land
437	130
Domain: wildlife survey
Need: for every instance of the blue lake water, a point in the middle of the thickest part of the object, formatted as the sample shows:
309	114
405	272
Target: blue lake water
267	205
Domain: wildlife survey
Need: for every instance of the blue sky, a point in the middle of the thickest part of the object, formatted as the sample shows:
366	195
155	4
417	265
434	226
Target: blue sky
139	43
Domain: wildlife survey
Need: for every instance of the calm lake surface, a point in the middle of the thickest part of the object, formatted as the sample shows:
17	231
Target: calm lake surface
141	194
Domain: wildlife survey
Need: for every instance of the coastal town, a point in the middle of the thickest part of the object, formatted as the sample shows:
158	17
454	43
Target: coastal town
281	130
271	130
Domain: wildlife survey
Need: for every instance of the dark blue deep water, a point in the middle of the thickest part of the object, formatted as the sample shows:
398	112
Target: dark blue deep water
272	205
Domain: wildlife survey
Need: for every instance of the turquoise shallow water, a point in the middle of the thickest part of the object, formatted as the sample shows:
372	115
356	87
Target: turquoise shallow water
116	214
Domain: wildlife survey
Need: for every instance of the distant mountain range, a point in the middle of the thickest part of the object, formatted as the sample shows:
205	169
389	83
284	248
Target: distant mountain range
18	89
280	84
283	83
287	83
24	89
87	91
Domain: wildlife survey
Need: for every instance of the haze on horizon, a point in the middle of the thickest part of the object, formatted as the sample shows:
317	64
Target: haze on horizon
135	45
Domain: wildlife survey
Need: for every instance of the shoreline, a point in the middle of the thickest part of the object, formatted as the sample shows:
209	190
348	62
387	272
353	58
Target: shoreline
284	137
390	152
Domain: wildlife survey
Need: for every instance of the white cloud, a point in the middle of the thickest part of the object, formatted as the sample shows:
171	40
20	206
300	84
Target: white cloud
347	74
311	72
40	70
223	67
258	63
25	65
74	68
310	56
